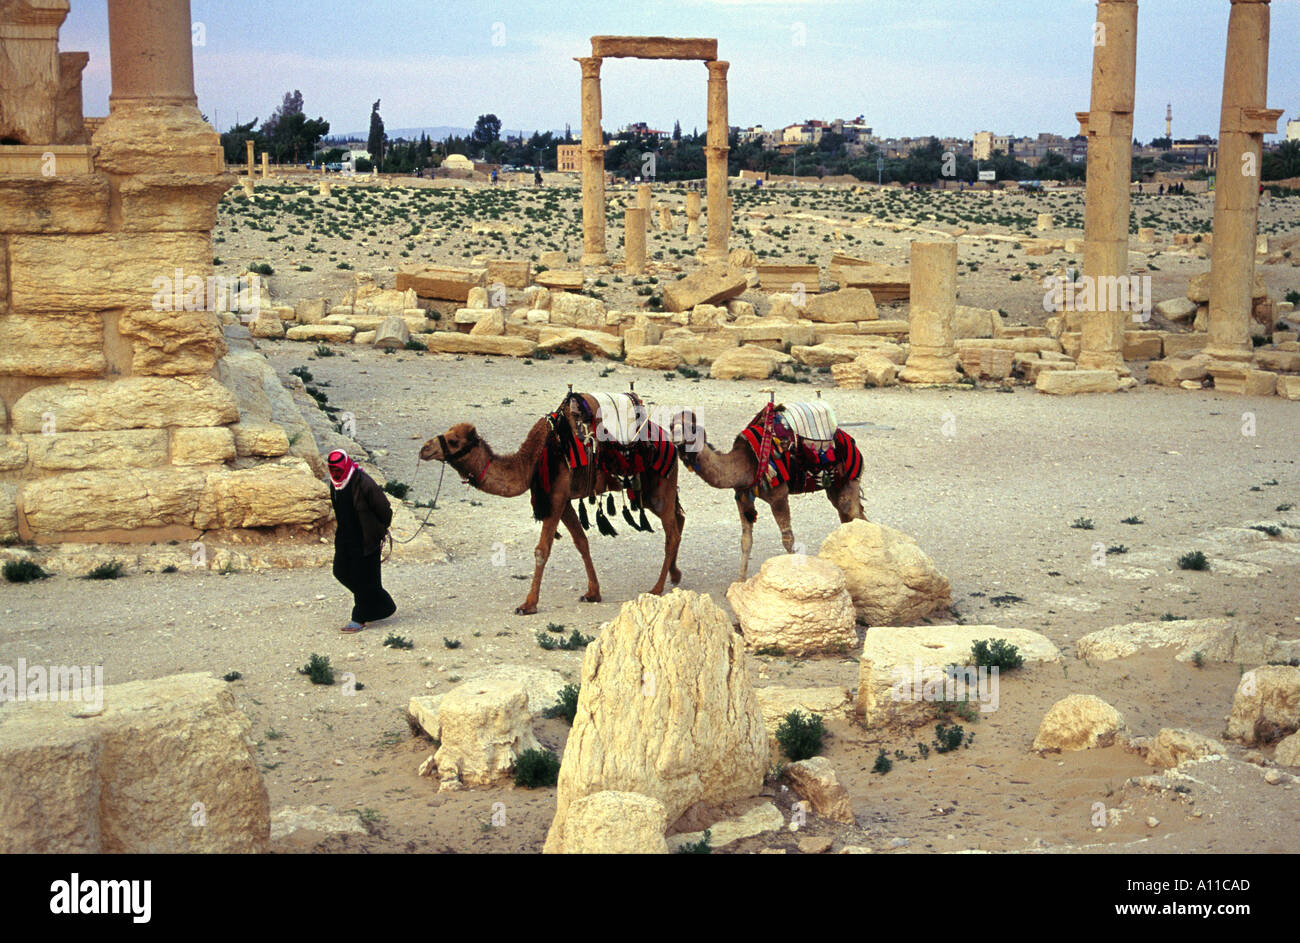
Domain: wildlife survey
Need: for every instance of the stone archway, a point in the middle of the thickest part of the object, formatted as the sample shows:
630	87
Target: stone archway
593	141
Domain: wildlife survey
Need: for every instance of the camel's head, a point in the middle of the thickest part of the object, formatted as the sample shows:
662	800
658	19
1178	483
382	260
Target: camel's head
453	443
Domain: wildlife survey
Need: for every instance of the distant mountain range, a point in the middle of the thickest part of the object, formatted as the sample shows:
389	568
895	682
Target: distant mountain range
440	133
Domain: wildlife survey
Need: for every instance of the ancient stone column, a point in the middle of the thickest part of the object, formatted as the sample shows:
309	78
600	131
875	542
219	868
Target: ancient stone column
665	217
593	166
248	184
716	152
154	124
248	145
324	187
1109	128
634	241
1243	122
932	357
266	166
643	196
693	213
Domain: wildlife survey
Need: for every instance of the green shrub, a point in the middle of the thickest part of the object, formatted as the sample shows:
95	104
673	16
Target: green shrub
883	763
398	641
998	653
231	676
23	571
568	706
450	642
947	739
536	768
111	570
398	489
800	735
318	669
1082	523
700	847
1195	560
572	643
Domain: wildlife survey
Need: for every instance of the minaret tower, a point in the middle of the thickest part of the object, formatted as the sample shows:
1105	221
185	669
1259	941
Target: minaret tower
1169	121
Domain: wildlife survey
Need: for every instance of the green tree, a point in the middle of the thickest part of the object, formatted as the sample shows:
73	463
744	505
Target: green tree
1283	162
376	141
487	129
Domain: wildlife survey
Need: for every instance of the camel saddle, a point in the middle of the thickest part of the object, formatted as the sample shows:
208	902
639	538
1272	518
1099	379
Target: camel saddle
798	445
621	437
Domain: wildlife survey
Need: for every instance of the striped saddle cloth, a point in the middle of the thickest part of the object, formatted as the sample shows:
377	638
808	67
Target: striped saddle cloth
799	445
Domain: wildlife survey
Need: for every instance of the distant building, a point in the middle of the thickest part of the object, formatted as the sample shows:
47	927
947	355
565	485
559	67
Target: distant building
640	129
568	158
1293	130
986	143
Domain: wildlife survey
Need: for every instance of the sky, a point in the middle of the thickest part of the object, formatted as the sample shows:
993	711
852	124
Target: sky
910	67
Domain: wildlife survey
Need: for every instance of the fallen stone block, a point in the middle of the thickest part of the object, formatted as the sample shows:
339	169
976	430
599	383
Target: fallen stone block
706	286
1071	382
1078	722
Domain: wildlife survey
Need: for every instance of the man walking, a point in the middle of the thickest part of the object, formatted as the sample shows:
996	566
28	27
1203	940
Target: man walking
363	514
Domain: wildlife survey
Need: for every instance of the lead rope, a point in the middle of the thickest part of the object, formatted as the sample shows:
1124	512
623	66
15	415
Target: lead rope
432	507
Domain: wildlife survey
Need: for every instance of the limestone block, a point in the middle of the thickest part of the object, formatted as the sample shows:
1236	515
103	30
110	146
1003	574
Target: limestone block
311	310
265	496
364	338
112	499
261	439
1078	722
823	355
971	322
130	403
1174	372
776	702
1216	640
1179	345
561	280
1284	361
173	343
847	304
537	298
81	273
395	334
986	363
78	451
1171	748
54	205
1288	751
784	308
127	780
1266	705
740	309
13	453
492	323
751	360
8	511
478	298
796	603
580	341
666	709
581	311
172	202
268	327
815	781
1070	382
483	728
615	823
450	342
1198	289
210	446
759	820
1177	309
902	674
697	349
654	357
1288	387
1242	380
51	345
442	282
512	273
706	286
322	333
703	317
890	578
1143	345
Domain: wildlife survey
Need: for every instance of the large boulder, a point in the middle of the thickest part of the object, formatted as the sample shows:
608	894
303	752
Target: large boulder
1172	747
815	781
580	311
750	361
576	340
709	286
1288	751
393	333
1078	722
902	674
666	710
837	307
1266	705
654	357
797	604
482	729
890	578
146	767
615	823
1214	640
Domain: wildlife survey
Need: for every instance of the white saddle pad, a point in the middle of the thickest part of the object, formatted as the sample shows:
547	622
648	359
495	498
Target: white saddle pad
811	420
618	418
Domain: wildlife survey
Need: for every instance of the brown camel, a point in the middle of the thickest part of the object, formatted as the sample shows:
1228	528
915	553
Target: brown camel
738	470
512	475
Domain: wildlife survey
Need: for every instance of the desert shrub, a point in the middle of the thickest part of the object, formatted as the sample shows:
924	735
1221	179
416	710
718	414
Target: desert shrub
947	739
800	735
398	489
23	571
700	847
997	653
568	706
398	641
536	768
883	763
1195	560
318	669
111	570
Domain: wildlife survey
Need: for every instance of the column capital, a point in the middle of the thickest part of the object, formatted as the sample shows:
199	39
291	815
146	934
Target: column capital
590	66
717	69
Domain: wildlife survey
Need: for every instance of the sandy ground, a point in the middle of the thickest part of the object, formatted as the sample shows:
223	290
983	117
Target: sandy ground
988	482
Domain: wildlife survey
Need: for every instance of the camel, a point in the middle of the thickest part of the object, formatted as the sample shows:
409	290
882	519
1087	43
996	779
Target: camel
541	457
738	470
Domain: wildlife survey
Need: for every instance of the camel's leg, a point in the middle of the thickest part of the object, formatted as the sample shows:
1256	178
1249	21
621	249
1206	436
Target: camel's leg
745	504
847	501
574	527
540	556
664	504
679	515
781	512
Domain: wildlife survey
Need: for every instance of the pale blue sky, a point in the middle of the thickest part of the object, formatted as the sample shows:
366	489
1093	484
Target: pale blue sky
911	67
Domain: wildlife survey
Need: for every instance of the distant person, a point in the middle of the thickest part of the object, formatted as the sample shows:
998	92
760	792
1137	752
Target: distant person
537	178
363	514
1162	189
494	178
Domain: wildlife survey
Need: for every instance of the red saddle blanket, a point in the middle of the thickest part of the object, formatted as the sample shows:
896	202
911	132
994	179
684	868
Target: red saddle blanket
799	464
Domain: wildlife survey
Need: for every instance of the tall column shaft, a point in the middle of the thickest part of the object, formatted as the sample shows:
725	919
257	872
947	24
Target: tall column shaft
593	166
716	153
248	146
693	213
1109	127
634	240
152	50
1242	124
932	355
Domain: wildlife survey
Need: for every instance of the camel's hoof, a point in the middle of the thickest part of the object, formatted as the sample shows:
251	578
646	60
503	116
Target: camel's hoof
526	610
656	591
675	576
589	598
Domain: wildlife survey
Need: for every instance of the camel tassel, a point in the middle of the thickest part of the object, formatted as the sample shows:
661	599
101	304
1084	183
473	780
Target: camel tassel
645	524
631	521
603	524
609	505
582	516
